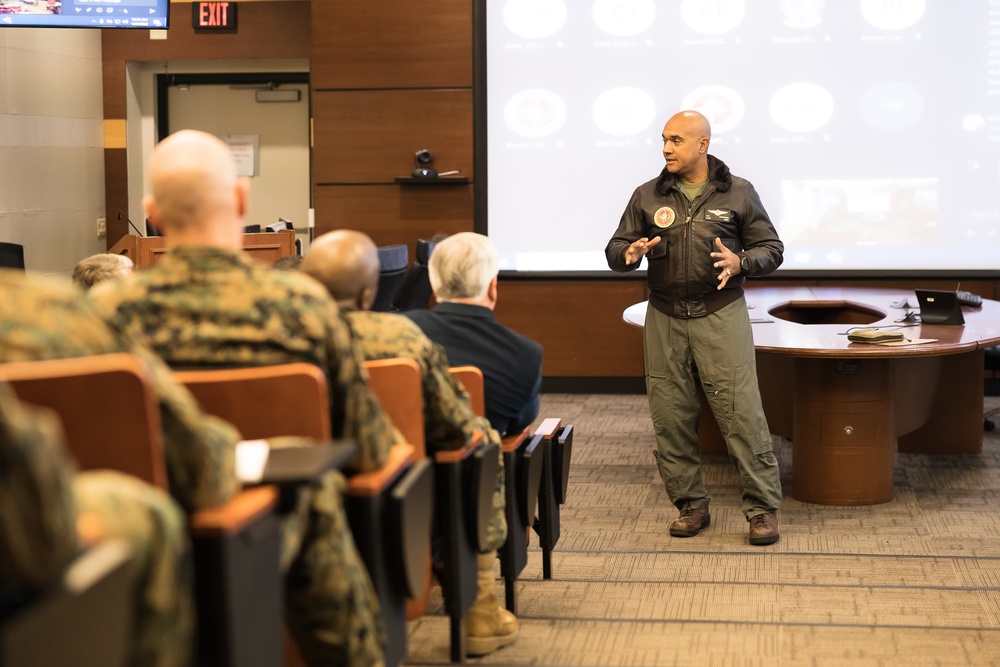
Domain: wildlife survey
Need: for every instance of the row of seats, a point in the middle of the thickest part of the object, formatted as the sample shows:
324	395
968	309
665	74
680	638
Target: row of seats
401	285
389	510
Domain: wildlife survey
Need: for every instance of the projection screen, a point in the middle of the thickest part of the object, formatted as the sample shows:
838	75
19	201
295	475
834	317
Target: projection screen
870	128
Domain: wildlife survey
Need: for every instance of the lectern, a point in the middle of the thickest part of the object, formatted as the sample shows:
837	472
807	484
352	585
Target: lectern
145	251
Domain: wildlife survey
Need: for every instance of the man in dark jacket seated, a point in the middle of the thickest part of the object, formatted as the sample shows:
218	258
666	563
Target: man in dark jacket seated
463	272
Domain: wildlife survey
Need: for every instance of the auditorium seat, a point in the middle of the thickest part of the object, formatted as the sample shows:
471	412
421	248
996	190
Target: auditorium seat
389	509
392	261
552	443
414	292
111	418
556	453
82	619
464	490
524	463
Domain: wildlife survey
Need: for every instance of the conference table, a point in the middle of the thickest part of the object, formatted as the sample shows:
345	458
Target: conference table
848	407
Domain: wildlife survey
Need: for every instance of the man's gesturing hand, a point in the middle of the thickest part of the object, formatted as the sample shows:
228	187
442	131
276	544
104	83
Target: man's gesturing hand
728	262
637	250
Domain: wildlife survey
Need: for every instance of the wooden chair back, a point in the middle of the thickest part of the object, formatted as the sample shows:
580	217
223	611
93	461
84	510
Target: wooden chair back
472	380
107	404
265	401
398	386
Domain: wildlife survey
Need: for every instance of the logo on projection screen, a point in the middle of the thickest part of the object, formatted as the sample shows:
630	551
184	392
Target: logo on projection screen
535	113
623	18
534	19
721	105
801	107
892	106
802	13
623	111
713	17
895	15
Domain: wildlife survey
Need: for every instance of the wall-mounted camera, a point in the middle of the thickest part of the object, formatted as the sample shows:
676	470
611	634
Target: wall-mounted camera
423	160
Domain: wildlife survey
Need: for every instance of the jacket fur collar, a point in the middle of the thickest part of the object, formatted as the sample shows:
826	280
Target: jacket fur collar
718	175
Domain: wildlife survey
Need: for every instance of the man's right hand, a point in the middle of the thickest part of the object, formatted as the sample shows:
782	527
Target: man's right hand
637	250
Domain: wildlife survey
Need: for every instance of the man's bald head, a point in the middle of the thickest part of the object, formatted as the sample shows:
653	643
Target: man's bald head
346	262
695	123
195	188
686	138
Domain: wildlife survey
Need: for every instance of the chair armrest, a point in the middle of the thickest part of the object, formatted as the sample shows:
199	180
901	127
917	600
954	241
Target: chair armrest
243	509
511	442
372	483
95	563
547	429
84	618
456	455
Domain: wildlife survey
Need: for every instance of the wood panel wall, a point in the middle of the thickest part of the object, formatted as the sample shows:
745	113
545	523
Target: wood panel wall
579	323
388	79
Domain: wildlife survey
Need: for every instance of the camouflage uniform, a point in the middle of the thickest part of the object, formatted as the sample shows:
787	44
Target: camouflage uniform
448	417
210	307
41	498
46	318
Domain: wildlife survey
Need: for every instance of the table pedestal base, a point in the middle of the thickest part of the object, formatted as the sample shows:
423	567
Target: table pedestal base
843	434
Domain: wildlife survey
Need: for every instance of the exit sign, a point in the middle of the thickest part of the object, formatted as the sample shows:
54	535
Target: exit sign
213	15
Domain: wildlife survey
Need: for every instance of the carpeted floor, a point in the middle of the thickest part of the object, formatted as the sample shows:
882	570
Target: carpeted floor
912	582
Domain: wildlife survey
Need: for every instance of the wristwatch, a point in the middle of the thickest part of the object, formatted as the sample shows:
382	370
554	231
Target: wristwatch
744	264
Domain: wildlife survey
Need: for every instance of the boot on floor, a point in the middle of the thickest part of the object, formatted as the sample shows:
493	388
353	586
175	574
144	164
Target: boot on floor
488	626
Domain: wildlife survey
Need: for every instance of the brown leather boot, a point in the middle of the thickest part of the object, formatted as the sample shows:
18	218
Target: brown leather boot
690	522
764	529
488	626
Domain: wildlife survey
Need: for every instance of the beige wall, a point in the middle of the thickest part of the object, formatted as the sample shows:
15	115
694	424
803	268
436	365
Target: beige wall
51	145
280	188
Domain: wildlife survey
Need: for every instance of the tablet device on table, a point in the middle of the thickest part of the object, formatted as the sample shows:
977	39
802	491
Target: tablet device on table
939	307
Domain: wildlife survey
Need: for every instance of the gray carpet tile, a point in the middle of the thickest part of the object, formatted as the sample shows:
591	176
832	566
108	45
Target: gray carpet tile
915	581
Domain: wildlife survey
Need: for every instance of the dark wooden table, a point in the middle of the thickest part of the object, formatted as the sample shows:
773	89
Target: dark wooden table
847	407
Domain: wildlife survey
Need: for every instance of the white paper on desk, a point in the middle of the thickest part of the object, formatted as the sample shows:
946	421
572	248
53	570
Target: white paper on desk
251	458
908	341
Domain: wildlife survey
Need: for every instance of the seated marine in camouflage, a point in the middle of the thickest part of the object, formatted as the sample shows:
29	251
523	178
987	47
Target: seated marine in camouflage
346	263
207	303
49	512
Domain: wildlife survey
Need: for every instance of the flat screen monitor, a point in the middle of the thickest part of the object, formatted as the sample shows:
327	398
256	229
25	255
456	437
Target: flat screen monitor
137	14
870	128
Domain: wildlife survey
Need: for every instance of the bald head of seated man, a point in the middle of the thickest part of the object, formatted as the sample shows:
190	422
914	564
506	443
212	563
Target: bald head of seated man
346	263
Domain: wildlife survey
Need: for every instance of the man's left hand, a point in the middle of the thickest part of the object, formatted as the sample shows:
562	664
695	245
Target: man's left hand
727	261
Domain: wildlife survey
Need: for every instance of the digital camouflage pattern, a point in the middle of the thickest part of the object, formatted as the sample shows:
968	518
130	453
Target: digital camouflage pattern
41	499
212	307
448	417
50	318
